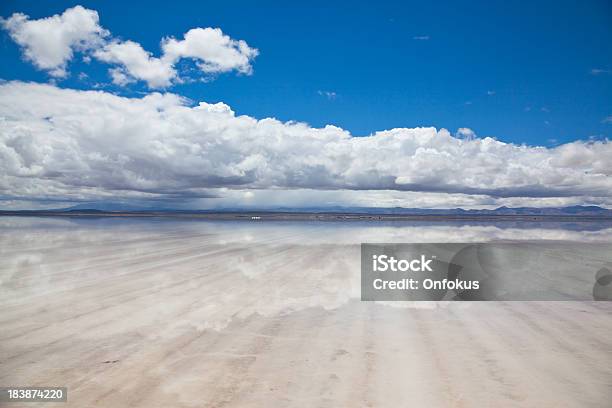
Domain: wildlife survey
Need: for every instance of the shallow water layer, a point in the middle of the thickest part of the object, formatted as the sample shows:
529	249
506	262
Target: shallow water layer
159	312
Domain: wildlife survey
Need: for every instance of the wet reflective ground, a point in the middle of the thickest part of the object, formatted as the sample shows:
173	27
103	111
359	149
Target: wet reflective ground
159	312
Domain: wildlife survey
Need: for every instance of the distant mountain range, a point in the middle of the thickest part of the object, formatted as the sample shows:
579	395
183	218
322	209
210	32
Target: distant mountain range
570	211
575	211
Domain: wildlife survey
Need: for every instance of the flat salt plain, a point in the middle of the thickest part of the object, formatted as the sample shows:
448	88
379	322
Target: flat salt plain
178	313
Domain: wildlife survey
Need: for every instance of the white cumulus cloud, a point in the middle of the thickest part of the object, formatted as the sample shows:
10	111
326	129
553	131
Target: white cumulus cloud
49	42
67	144
215	51
135	62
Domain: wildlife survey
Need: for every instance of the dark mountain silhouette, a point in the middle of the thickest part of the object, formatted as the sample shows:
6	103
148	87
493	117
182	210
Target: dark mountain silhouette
115	208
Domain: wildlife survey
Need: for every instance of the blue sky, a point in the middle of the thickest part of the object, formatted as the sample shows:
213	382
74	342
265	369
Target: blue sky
519	71
259	105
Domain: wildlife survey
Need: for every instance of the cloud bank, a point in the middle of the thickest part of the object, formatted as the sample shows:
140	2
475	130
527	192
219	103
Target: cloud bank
67	144
50	43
